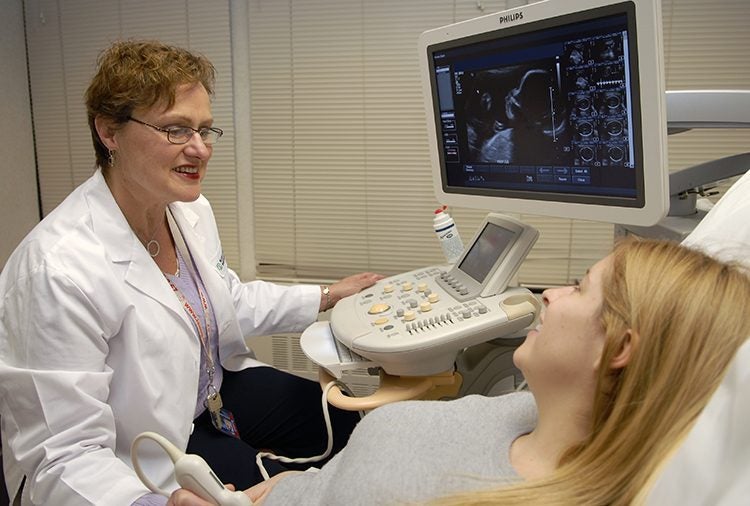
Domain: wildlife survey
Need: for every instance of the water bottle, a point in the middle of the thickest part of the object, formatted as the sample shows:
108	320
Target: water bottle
447	234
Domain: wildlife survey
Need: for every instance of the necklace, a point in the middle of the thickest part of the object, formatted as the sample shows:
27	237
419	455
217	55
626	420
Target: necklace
153	247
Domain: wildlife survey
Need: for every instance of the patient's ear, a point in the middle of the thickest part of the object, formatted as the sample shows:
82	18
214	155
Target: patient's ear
628	345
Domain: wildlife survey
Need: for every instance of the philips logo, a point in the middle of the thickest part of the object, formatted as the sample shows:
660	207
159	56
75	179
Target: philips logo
509	18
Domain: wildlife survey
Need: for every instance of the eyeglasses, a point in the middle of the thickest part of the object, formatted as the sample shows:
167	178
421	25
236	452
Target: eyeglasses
183	134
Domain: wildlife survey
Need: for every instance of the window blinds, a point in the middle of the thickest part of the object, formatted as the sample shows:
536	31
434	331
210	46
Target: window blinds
340	166
339	158
64	39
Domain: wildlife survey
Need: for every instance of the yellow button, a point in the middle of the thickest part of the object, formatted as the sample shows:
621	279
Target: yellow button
425	306
379	308
388	288
409	316
433	297
407	286
421	287
381	321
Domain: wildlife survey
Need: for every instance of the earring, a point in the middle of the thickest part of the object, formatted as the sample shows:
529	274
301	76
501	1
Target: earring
111	158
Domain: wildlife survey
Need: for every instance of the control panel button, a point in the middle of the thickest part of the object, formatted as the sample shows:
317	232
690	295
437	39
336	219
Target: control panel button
412	303
379	308
433	297
399	312
421	287
466	313
381	321
388	288
409	316
425	306
482	309
407	287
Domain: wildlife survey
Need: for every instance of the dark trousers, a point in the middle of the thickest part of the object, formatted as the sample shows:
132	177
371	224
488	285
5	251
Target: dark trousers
275	411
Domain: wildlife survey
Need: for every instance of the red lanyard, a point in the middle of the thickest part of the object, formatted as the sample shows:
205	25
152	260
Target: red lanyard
203	335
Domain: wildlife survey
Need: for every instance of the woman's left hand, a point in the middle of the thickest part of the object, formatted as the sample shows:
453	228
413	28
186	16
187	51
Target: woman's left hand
349	286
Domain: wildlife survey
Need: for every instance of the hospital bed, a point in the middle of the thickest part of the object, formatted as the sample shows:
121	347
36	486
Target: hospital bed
712	465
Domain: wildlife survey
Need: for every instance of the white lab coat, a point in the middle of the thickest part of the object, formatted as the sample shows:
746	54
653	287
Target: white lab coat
95	348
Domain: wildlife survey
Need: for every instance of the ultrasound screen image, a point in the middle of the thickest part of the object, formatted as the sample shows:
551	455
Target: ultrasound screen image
513	112
546	111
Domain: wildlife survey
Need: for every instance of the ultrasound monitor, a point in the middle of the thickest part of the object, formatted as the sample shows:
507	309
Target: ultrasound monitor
554	108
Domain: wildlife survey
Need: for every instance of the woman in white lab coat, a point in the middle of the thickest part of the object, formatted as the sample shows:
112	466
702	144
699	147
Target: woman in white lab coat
118	313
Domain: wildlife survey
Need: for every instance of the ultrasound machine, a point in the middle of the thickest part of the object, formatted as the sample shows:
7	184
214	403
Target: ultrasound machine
555	108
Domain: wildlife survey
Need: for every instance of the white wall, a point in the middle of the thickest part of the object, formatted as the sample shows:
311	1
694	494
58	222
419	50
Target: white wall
19	210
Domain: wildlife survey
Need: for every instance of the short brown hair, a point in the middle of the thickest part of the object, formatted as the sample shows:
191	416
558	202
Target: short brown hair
133	74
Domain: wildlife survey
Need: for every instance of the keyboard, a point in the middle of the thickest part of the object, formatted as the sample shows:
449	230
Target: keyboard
318	343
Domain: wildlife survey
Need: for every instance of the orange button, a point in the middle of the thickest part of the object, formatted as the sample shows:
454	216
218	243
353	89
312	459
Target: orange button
379	308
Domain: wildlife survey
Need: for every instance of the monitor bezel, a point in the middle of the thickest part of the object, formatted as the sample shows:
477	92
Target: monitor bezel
644	22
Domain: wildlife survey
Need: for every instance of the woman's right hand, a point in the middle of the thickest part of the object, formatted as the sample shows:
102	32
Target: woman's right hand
257	493
184	497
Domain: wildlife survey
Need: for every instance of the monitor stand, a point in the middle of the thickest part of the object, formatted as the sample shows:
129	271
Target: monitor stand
687	110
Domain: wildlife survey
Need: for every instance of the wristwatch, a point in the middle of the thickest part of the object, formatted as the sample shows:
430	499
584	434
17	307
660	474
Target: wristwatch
327	292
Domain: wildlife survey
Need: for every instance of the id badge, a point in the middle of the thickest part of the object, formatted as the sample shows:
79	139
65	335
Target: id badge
223	420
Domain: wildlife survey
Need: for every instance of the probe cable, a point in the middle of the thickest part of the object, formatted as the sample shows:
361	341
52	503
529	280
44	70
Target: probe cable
306	460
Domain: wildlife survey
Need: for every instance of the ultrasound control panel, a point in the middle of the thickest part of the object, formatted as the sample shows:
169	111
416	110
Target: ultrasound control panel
415	323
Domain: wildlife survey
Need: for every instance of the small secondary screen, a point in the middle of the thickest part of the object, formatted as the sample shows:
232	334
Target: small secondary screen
547	110
490	246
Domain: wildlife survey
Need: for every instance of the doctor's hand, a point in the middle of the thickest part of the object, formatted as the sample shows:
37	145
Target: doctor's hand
184	497
346	287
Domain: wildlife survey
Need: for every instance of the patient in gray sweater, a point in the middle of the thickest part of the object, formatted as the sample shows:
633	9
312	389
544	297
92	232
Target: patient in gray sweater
615	384
418	450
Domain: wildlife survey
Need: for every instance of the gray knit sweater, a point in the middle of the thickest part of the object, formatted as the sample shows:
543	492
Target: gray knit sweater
415	451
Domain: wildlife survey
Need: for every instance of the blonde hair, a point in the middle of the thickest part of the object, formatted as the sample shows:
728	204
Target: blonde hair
139	74
689	313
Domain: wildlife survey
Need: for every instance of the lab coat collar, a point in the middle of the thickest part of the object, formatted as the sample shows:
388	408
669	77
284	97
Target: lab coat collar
125	249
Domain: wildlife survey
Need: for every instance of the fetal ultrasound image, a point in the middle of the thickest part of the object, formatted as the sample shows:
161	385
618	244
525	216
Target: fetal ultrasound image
512	113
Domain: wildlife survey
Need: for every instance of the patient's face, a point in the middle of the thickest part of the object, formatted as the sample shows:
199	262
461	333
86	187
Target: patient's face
564	350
